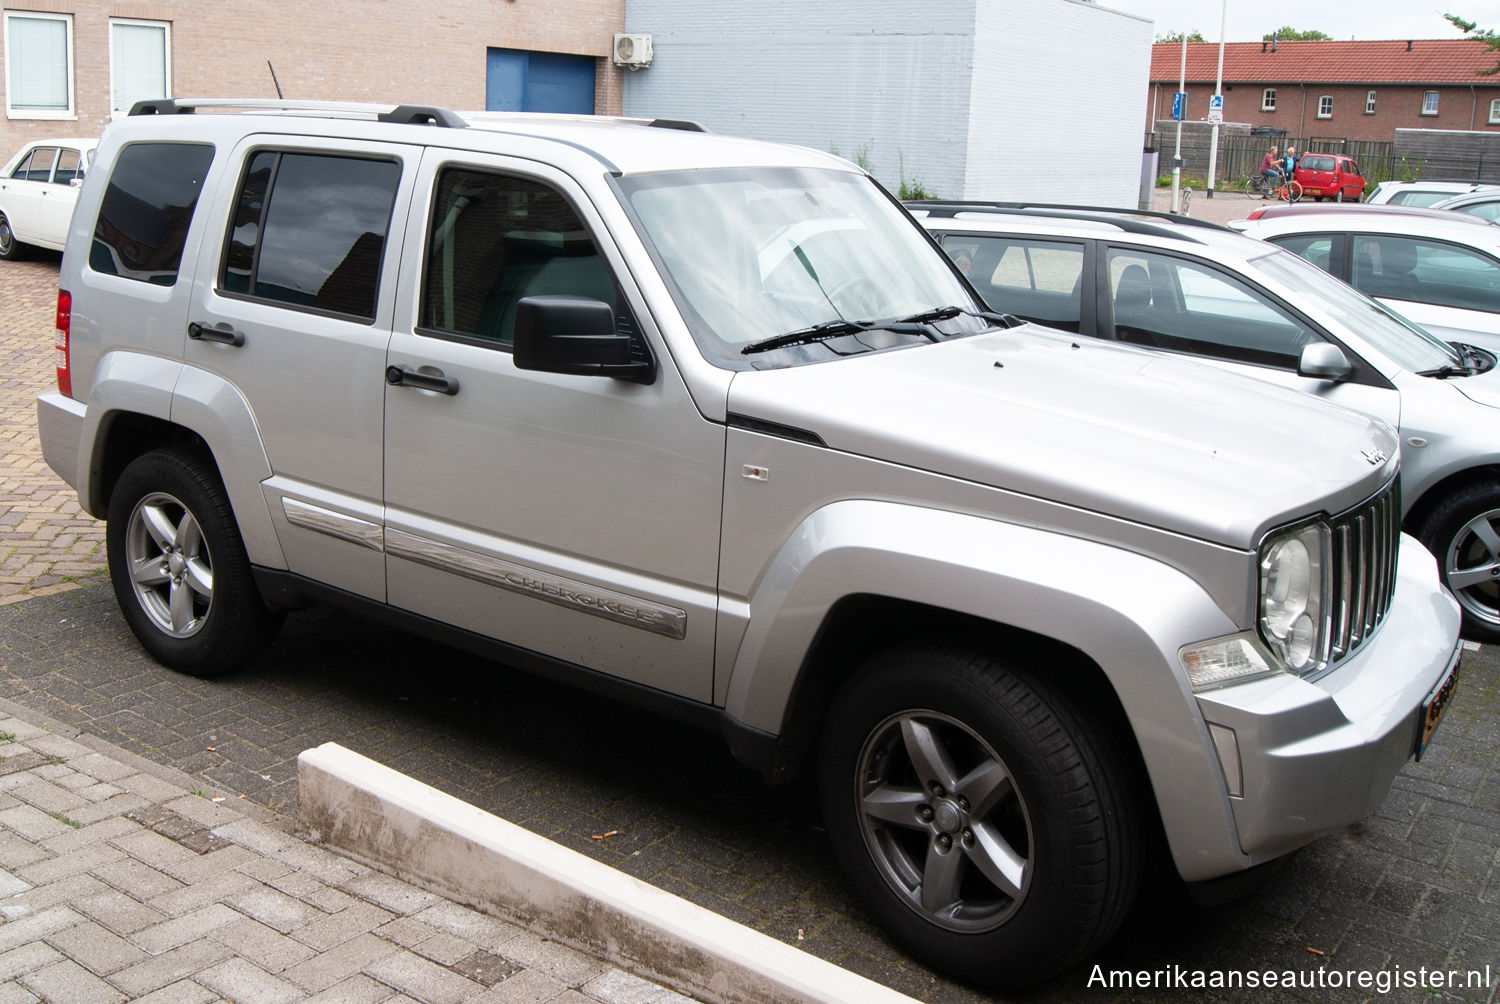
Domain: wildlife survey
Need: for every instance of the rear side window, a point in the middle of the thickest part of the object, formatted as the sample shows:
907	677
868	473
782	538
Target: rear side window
144	218
309	231
1041	281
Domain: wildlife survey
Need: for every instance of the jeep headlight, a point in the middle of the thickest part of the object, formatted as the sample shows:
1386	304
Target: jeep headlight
1293	596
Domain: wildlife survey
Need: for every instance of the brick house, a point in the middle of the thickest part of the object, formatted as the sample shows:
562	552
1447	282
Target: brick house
1354	90
67	65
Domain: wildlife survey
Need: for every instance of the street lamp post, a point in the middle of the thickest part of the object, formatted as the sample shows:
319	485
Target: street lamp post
1213	143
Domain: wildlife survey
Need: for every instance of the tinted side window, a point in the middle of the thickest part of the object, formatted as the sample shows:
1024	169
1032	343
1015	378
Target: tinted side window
1186	306
1324	250
67	167
494	239
1422	271
144	218
309	231
37	166
1041	281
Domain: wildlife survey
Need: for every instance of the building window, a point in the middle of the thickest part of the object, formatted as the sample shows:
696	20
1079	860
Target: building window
140	65
1369	102
1495	112
38	66
1430	103
1268	99
1325	107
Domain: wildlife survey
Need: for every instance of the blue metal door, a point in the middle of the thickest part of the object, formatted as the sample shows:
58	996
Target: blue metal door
520	81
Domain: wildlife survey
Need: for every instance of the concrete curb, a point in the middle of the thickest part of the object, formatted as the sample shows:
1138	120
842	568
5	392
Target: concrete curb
373	813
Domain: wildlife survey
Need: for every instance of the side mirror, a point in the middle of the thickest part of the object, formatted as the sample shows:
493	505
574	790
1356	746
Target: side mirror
1323	361
573	334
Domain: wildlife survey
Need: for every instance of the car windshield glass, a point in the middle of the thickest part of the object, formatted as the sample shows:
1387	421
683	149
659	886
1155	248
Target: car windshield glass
1385	330
753	254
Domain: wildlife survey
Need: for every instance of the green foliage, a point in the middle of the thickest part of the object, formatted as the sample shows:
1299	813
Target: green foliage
1165	181
911	188
1287	33
1475	33
1176	37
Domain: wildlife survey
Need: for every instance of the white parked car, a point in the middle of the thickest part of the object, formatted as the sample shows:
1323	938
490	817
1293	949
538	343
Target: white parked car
38	189
1194	289
1422	193
1442	273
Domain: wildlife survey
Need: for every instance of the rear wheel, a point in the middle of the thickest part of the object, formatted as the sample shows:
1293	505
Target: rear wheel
988	825
10	248
179	568
1337	196
1464	533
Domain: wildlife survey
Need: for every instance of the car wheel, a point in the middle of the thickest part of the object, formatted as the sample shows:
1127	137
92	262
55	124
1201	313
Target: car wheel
1337	196
179	568
1464	533
989	826
10	248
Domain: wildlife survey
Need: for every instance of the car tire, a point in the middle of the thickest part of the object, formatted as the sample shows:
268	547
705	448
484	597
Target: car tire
936	758
10	248
179	568
1462	533
1337	196
1317	198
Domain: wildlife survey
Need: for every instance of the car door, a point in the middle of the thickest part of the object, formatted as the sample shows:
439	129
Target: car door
295	315
1193	307
21	193
57	199
572	516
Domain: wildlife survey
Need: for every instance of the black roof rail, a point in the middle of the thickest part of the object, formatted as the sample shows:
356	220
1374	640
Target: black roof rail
160	106
1129	220
686	125
423	115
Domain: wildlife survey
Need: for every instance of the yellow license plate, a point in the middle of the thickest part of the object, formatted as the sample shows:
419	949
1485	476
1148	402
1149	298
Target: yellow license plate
1432	709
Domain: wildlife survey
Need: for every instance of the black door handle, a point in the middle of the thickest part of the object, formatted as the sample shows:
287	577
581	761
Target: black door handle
427	378
225	335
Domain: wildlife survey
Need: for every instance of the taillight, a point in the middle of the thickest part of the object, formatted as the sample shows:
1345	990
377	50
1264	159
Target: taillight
1257	214
60	340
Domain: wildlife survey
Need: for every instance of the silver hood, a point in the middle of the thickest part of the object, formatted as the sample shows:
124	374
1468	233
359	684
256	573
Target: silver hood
1138	435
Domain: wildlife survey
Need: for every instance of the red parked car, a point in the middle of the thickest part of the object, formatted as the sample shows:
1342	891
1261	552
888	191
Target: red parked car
1329	176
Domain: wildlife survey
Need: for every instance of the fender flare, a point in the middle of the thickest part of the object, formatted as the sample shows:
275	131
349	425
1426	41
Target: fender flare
1127	612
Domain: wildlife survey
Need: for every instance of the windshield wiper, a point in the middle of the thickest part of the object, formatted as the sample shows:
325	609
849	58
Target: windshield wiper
802	336
1446	370
949	312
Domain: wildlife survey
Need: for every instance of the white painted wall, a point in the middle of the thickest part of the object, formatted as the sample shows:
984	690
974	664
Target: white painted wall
994	99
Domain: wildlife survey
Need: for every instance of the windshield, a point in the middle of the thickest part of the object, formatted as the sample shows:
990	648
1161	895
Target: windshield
1386	331
752	254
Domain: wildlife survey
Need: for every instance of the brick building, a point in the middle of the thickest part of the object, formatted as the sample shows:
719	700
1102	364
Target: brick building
1352	90
67	65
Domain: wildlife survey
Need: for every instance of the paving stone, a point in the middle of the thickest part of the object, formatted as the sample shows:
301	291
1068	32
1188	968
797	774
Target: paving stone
214	889
98	950
170	934
554	958
161	970
470	925
31	822
340	962
14	993
119	912
275	909
526	987
10	885
36	926
85	859
75	840
27	958
245	983
136	880
346	925
43	897
358	989
265	946
422	979
181	992
391	894
620	987
68	981
153	849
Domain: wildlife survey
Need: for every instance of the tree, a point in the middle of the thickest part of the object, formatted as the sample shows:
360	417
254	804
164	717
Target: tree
1486	35
1290	34
1175	37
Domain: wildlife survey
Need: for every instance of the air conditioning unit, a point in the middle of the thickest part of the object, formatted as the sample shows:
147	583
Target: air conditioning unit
633	51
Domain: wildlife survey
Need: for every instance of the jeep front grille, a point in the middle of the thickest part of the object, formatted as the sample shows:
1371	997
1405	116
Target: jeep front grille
1365	544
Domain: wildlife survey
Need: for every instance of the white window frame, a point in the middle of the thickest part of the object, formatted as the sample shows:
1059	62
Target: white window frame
1268	99
1325	106
68	113
1429	102
1369	102
1495	112
166	42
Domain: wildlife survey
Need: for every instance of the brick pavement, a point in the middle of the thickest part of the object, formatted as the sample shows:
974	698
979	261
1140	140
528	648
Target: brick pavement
1415	885
46	542
117	884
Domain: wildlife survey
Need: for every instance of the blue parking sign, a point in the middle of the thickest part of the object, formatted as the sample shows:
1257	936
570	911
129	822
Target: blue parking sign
1179	98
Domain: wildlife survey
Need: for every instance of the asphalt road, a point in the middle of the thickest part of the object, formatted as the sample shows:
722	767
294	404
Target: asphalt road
1416	885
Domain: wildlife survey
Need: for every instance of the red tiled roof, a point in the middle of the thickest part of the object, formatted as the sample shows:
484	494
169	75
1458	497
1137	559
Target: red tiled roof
1430	61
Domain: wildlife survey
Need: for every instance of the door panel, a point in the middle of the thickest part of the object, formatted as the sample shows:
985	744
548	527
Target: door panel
521	81
577	516
298	315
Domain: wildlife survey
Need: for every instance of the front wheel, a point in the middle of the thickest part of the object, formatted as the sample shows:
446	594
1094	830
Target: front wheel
1292	192
988	825
1463	532
179	568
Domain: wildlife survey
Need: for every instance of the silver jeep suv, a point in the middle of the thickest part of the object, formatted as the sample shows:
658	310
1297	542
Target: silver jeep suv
712	425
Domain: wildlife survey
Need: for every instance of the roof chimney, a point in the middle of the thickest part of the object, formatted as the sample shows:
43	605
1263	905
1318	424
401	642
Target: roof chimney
1263	45
1408	45
1273	43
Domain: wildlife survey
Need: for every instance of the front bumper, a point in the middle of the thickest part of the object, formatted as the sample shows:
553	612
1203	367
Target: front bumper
1303	757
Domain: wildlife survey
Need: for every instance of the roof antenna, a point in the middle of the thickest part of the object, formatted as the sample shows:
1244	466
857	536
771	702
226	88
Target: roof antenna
274	80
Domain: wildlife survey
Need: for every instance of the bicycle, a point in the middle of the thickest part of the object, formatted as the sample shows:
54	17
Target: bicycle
1257	187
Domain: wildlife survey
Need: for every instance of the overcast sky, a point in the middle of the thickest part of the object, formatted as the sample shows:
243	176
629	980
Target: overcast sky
1367	20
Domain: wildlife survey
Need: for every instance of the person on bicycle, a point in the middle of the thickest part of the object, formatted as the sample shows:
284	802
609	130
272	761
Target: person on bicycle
1270	170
